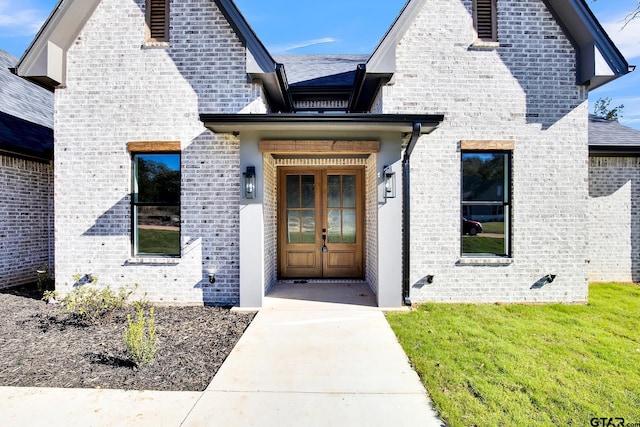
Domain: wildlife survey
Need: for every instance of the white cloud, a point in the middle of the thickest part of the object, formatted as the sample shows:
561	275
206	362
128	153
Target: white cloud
308	43
628	38
18	20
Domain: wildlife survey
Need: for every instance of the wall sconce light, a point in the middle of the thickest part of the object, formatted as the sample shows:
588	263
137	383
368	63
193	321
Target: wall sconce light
389	183
212	278
429	279
250	182
549	278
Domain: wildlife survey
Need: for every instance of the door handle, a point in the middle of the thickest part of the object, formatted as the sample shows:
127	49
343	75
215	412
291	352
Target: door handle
324	240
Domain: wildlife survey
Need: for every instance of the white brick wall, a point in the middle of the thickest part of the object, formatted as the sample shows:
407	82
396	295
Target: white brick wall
523	91
26	232
614	232
118	92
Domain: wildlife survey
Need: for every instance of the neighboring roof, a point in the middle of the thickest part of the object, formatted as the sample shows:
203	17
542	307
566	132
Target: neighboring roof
22	99
26	114
309	70
610	137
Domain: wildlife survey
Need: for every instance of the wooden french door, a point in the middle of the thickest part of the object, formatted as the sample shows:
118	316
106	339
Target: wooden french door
320	223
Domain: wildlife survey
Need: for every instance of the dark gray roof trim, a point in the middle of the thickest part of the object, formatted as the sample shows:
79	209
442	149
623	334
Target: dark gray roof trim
588	37
25	139
226	123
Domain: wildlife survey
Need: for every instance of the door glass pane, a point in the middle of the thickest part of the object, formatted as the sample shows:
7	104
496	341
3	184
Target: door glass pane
293	226
293	191
348	191
333	191
308	226
335	229
308	191
348	226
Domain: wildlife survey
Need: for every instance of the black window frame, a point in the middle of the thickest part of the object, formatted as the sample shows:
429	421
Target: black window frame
506	203
135	204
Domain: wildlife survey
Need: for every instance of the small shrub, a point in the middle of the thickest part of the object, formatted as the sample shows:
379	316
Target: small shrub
95	304
140	338
50	297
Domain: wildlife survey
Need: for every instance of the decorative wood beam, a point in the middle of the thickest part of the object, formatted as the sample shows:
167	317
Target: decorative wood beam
154	146
319	147
487	144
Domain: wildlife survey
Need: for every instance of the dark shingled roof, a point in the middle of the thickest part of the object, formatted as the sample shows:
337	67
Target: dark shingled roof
26	114
608	133
312	70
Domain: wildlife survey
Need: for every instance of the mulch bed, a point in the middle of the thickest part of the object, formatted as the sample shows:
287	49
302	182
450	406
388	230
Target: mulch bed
40	347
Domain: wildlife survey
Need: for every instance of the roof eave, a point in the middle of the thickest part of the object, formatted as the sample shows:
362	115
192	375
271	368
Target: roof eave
44	61
595	50
614	151
403	123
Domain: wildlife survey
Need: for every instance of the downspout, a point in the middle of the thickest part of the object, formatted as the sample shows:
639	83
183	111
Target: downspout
406	211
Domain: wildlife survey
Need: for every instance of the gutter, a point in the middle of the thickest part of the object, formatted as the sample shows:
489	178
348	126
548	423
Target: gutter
406	212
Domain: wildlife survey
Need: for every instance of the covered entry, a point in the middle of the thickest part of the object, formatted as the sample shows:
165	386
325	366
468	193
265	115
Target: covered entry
316	172
320	223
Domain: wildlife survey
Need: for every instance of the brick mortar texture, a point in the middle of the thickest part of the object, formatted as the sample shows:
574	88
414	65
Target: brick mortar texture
118	92
614	215
25	219
523	91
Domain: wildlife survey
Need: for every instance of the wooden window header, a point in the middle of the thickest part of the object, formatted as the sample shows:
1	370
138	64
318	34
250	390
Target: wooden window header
154	146
319	147
158	20
487	144
485	20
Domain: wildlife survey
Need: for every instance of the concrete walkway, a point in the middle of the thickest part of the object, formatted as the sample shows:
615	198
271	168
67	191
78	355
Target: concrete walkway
315	355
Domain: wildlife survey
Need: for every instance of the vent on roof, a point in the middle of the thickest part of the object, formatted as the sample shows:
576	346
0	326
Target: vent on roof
158	20
484	17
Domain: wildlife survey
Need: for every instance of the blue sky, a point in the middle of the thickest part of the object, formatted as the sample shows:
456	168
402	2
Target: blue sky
299	26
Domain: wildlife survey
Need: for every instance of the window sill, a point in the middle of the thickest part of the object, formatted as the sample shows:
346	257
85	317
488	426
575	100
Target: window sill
152	261
491	261
482	45
155	45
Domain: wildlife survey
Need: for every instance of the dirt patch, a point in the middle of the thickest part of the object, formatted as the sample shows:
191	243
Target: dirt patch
40	347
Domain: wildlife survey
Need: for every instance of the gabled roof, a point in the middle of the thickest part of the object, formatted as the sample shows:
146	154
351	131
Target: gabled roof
598	61
608	137
26	115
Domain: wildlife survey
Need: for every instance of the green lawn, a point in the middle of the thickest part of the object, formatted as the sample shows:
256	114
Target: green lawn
525	365
482	245
152	241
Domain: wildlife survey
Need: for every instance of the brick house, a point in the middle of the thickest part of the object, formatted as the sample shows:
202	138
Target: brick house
449	165
26	177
